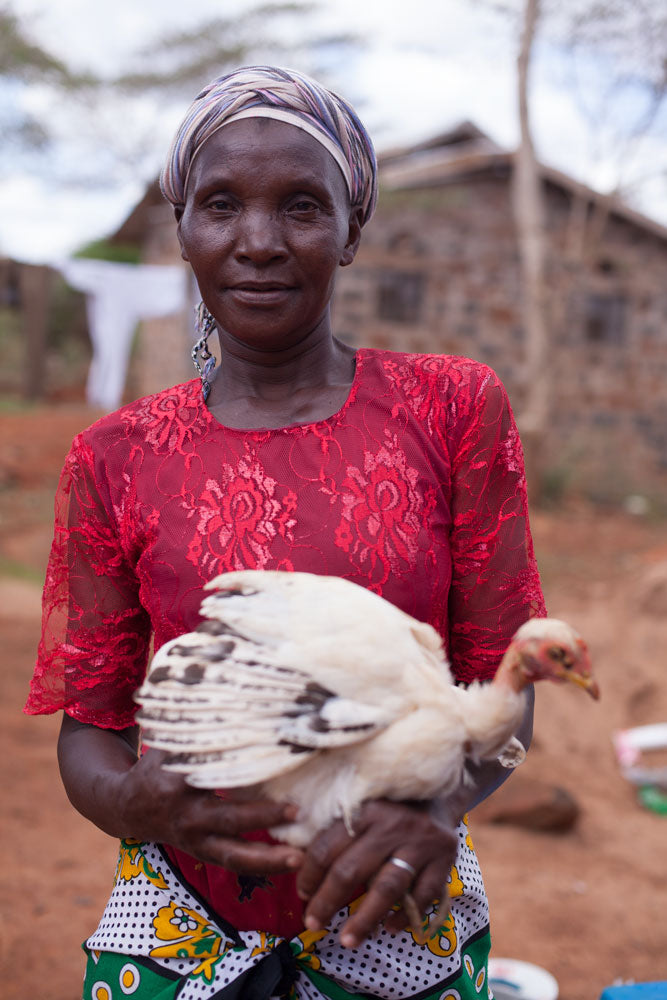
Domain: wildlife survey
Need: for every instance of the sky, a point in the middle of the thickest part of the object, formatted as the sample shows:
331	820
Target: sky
425	66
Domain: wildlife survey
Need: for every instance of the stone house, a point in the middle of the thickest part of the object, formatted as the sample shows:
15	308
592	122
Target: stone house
437	271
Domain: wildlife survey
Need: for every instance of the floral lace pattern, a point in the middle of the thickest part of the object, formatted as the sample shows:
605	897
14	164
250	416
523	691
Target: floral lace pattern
239	517
382	511
415	489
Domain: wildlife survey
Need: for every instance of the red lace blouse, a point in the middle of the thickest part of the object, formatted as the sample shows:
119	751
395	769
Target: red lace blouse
414	488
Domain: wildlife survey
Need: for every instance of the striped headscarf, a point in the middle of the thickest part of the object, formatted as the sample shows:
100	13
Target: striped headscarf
286	95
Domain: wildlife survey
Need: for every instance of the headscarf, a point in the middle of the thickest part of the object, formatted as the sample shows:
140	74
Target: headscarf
286	95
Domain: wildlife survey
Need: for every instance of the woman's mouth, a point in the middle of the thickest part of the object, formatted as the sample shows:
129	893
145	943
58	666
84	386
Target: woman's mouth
260	293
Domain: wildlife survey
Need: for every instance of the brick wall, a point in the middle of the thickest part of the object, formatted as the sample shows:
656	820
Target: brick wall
444	260
162	357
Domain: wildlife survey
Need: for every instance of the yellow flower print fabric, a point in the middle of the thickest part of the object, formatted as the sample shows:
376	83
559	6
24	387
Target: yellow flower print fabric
155	929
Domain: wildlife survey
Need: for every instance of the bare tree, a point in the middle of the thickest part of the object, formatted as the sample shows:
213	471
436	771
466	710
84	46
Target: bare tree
616	49
630	36
527	200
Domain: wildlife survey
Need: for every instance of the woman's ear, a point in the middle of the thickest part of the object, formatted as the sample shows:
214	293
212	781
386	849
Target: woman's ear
178	212
353	237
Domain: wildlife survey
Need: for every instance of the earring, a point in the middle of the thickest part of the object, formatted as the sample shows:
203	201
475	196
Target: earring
204	324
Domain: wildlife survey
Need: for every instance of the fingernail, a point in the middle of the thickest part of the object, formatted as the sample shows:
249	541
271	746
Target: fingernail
294	861
348	941
312	924
302	894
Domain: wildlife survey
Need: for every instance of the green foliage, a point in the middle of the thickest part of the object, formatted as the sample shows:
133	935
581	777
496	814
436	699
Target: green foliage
11	350
20	571
180	61
118	253
67	348
21	58
24	62
67	332
555	484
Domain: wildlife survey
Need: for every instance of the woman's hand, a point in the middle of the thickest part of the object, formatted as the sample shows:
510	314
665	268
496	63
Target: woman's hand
135	797
336	865
158	805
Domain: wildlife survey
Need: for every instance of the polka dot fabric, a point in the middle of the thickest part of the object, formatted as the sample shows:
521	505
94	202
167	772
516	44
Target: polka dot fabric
154	918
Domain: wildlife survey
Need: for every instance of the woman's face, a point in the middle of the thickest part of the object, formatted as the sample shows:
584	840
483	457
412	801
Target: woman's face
266	224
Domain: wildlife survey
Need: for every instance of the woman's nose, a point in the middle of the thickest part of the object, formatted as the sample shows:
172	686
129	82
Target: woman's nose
260	238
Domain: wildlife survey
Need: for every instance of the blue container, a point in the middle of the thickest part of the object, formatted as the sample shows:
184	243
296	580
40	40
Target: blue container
637	991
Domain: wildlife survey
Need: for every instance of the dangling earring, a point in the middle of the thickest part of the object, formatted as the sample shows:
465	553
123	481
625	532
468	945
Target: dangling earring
204	324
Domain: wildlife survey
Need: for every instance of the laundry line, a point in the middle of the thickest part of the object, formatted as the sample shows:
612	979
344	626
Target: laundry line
118	296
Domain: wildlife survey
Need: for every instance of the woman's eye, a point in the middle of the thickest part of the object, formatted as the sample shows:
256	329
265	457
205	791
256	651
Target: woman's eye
304	205
221	205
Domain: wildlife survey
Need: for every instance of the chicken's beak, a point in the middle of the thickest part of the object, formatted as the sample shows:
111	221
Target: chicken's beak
579	671
585	681
536	658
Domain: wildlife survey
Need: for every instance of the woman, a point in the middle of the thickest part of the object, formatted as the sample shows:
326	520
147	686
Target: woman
400	472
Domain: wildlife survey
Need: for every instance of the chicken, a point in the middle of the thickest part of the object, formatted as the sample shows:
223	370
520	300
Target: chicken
324	694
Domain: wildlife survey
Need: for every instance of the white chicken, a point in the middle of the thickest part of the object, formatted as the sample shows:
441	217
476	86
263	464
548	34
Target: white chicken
326	695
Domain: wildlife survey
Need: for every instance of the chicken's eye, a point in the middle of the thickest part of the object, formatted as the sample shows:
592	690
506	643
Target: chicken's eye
560	655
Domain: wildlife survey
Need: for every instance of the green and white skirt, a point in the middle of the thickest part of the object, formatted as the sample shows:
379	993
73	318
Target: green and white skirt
158	940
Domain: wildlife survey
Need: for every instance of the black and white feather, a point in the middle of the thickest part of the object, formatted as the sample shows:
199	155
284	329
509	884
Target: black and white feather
320	692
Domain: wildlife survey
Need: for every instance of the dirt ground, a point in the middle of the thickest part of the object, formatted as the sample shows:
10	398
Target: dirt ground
588	905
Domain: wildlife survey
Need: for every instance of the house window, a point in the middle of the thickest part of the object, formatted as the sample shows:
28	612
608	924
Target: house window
400	296
604	319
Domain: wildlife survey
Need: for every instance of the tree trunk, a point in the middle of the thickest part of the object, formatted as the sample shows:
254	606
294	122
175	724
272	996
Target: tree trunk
35	292
527	197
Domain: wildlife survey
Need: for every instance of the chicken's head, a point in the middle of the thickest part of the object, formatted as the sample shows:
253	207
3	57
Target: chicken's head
550	649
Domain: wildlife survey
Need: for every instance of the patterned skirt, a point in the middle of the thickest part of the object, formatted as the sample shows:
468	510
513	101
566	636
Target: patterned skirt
158	940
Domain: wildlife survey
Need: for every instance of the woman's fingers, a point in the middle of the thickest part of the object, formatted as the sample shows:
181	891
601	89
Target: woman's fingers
387	888
160	806
345	877
320	856
337	856
393	885
231	818
210	828
249	857
337	867
429	885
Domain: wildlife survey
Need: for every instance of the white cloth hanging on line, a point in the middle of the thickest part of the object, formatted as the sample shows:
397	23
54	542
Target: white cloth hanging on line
118	296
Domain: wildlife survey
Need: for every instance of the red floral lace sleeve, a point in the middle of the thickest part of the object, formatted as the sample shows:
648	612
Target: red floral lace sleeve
95	634
495	584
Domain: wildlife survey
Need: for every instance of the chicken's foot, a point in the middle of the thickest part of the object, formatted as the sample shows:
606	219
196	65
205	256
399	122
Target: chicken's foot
423	933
